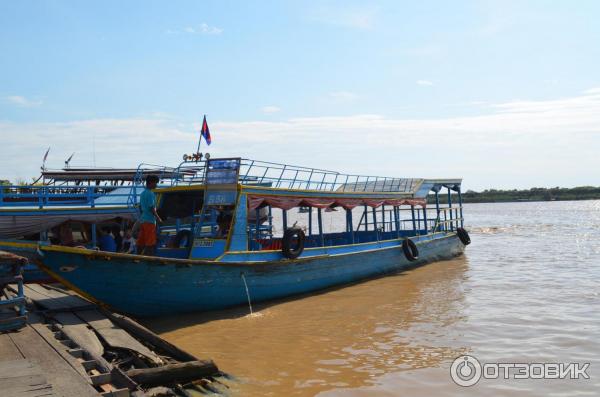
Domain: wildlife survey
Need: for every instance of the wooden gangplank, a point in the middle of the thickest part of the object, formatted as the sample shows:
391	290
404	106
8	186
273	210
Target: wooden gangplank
92	344
31	365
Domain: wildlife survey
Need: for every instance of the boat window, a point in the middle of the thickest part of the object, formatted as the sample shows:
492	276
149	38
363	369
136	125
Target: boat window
178	205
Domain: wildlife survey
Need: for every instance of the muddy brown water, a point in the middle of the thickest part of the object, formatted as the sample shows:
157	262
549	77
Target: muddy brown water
526	291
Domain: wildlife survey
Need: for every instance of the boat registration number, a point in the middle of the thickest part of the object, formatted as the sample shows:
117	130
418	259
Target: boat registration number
205	242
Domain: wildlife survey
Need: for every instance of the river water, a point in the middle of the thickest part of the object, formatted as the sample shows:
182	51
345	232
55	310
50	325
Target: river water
527	290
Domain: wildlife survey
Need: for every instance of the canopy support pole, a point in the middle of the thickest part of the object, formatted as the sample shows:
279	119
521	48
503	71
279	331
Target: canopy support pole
349	226
425	218
310	221
462	224
397	220
450	206
321	237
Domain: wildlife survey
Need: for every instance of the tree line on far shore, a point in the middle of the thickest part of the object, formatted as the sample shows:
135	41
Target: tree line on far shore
533	194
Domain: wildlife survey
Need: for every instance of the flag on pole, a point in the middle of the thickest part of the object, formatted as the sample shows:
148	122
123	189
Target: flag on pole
205	132
46	155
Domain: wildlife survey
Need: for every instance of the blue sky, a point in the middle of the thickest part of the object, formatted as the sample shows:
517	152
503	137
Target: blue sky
503	93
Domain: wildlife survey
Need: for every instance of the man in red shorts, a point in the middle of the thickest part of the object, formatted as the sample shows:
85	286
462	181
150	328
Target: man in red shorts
146	241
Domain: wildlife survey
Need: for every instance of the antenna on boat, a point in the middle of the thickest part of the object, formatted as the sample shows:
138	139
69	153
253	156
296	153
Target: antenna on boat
69	160
44	160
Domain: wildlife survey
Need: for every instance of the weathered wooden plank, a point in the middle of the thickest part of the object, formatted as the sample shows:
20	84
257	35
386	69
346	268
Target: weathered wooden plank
182	373
52	299
35	322
65	380
145	334
24	379
115	336
77	330
8	350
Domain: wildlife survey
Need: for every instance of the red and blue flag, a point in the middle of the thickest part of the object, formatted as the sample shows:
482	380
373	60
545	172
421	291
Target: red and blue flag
205	132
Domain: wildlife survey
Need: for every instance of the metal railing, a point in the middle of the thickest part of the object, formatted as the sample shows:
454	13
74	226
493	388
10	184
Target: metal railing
285	176
60	196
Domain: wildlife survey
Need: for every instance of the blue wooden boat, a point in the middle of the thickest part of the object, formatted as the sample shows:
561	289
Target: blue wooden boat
86	197
228	237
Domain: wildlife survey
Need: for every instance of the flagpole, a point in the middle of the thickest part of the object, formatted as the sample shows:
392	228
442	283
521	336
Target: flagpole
199	142
201	131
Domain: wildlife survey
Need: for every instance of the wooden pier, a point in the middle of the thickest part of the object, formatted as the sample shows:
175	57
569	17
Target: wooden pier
71	347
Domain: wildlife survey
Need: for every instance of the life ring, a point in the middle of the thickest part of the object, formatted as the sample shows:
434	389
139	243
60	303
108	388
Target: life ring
411	252
288	248
182	235
463	235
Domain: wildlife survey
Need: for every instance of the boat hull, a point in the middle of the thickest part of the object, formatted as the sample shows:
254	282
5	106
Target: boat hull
144	286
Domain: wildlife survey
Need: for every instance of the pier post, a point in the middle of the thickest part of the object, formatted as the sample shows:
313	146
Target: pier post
310	221
284	216
414	221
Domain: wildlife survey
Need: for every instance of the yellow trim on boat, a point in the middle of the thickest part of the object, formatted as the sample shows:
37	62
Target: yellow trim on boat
180	188
333	192
18	245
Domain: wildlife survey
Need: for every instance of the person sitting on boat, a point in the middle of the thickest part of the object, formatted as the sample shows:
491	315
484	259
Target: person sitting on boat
146	242
224	221
106	242
66	235
116	231
128	242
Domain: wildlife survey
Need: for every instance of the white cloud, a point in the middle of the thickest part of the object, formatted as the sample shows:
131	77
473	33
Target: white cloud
515	144
425	83
270	109
362	18
203	28
593	91
345	96
21	101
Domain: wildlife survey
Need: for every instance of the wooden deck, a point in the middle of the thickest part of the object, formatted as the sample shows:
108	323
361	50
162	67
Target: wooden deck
71	347
33	363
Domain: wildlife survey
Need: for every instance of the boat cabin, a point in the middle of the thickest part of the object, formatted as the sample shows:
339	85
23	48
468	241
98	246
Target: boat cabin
246	210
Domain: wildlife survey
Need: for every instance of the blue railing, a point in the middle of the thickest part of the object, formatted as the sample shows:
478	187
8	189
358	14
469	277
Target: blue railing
42	196
285	176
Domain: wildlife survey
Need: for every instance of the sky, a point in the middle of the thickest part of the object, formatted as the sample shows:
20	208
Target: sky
505	94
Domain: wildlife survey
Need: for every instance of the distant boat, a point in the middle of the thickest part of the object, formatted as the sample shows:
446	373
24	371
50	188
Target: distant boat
216	249
304	210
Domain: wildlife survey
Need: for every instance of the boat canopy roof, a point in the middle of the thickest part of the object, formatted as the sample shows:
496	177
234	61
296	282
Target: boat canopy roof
116	174
258	176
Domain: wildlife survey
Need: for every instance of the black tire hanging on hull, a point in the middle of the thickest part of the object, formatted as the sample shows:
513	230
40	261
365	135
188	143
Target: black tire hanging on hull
463	236
288	249
411	252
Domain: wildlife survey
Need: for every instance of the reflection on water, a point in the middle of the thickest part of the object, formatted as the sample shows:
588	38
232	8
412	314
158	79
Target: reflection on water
526	291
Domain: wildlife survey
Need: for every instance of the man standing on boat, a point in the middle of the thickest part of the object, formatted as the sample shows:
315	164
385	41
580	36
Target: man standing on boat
146	242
